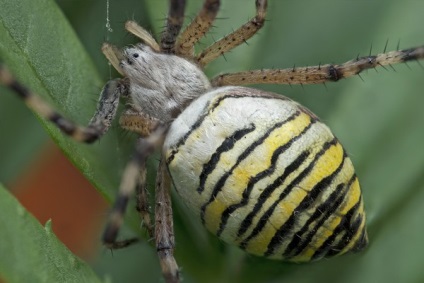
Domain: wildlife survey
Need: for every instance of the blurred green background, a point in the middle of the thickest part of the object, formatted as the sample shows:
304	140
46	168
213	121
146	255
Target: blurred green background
378	119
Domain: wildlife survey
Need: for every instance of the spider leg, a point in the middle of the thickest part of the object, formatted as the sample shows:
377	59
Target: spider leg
138	122
197	28
143	34
235	38
164	226
142	199
142	124
99	123
320	73
131	179
173	26
113	55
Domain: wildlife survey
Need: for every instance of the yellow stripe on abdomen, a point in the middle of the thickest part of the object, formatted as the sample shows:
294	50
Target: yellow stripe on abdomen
285	208
257	161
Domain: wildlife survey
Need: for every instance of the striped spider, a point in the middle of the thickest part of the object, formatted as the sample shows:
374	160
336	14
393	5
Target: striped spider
206	130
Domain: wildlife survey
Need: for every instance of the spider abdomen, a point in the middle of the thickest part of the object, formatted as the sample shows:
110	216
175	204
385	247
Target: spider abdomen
263	173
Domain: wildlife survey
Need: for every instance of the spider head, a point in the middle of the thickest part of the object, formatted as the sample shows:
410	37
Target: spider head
160	83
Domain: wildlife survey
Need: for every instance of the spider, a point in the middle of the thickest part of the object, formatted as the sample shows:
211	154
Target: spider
169	100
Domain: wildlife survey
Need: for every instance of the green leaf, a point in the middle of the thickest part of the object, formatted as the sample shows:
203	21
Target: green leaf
31	252
47	56
379	120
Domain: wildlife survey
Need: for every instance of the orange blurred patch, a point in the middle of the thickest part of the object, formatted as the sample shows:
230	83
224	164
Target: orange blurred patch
52	188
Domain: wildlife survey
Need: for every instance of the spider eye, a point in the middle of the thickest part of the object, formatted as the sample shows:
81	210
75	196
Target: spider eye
135	55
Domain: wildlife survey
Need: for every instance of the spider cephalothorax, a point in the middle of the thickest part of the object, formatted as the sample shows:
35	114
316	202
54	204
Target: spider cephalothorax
257	169
160	84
